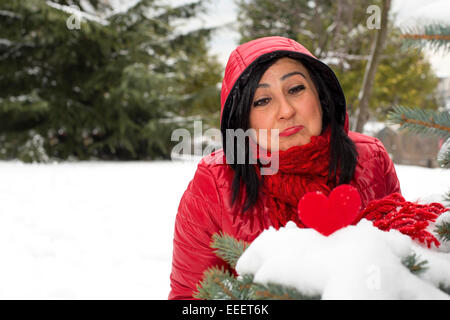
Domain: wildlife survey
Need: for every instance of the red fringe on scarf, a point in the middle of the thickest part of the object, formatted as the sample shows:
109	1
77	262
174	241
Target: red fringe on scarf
412	219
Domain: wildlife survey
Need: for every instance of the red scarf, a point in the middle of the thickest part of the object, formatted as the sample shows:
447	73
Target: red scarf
303	169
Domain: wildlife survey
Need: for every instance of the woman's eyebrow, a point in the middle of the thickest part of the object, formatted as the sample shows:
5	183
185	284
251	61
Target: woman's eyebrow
291	74
287	75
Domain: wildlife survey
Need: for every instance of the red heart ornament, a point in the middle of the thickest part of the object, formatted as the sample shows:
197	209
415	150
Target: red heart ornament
328	215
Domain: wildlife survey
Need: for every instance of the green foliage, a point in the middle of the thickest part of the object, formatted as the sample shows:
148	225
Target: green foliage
219	283
435	36
228	248
327	28
107	90
415	265
444	159
403	77
443	231
273	291
444	288
97	5
417	120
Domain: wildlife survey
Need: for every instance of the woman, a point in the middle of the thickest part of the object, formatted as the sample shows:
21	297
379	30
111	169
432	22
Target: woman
273	83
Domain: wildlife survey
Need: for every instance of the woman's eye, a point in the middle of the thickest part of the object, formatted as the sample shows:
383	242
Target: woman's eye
261	102
297	89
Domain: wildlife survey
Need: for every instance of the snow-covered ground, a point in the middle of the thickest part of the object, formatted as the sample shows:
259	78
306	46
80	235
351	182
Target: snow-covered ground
103	230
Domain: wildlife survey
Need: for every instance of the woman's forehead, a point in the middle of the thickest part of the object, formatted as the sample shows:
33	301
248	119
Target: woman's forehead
284	66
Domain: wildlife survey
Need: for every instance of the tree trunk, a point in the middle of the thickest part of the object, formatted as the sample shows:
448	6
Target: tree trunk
371	68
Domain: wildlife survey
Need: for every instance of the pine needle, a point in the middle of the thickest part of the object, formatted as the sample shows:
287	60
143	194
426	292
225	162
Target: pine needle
215	285
443	231
435	36
428	122
228	248
414	265
273	291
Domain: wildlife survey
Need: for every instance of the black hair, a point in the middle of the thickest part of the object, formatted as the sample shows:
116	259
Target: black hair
343	154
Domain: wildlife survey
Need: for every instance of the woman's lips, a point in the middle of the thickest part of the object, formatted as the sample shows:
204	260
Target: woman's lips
290	131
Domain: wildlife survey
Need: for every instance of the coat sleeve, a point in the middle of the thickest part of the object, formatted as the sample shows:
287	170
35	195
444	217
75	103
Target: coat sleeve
391	182
198	218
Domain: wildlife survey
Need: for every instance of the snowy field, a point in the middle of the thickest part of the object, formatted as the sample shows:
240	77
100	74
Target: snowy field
103	230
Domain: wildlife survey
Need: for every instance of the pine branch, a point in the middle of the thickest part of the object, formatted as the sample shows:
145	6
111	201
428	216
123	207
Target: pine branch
447	196
443	156
217	283
426	37
228	248
436	36
421	121
444	288
443	229
273	291
444	159
220	284
414	265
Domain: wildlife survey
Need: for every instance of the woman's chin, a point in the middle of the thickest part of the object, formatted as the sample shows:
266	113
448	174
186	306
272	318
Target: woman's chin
294	140
285	143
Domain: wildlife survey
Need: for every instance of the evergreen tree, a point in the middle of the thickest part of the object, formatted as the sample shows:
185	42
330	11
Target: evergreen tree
78	84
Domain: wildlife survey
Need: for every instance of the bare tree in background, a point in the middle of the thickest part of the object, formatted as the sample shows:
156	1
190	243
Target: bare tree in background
371	69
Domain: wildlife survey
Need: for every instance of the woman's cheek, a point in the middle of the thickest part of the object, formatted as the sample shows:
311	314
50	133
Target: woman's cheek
268	139
264	138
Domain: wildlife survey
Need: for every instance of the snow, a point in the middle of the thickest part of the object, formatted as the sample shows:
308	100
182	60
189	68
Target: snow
372	127
103	230
75	10
94	230
422	184
356	262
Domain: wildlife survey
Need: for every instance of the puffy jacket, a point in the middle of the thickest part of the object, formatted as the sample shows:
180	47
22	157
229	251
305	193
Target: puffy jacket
205	207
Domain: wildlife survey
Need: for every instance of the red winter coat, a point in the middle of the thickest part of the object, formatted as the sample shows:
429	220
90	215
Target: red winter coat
205	207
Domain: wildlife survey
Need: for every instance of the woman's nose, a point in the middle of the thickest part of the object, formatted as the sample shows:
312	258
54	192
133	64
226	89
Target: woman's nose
286	110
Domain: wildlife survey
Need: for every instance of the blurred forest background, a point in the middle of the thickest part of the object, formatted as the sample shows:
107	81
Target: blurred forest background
82	81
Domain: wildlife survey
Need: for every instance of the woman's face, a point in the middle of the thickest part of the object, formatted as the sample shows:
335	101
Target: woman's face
286	97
